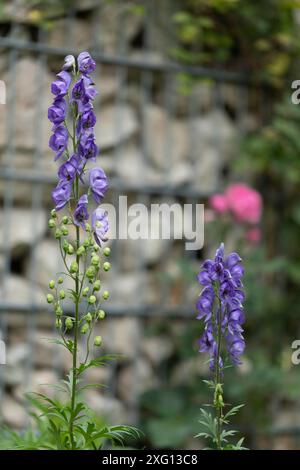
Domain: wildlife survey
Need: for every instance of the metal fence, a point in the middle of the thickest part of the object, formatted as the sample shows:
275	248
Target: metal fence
148	75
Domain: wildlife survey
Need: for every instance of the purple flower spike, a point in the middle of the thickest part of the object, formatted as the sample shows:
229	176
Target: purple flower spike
220	305
100	225
98	184
86	64
81	214
61	194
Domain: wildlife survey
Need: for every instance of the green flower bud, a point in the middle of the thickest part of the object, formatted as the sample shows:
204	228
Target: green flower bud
69	323
60	280
85	328
65	246
51	223
58	234
97	340
106	266
58	311
58	323
106	251
50	298
80	251
65	219
95	260
74	267
53	213
64	230
87	227
90	272
62	294
95	247
70	249
105	295
86	243
100	315
88	317
85	291
52	284
97	285
92	299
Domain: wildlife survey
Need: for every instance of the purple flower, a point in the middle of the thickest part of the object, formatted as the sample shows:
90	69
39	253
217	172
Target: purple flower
81	214
220	305
69	62
68	170
57	112
60	86
86	64
87	148
100	225
98	184
61	194
59	140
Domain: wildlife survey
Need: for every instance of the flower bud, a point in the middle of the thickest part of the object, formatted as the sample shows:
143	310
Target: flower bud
65	246
92	299
58	234
58	311
97	340
95	260
53	213
106	266
69	323
51	223
65	219
70	250
74	267
88	317
50	298
97	285
105	295
86	243
80	251
95	247
85	291
60	280
51	284
64	230
58	323
90	272
100	315
106	251
85	328
62	294
87	227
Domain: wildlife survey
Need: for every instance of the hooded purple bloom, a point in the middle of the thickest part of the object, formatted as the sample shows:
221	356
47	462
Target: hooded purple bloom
59	141
100	225
68	170
220	305
98	184
61	194
87	148
81	214
86	64
60	86
57	111
69	62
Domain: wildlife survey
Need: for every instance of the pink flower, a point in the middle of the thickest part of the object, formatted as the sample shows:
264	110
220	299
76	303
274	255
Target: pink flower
253	235
218	202
244	202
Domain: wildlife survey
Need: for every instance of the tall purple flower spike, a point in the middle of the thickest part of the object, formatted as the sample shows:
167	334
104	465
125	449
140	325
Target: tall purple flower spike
220	306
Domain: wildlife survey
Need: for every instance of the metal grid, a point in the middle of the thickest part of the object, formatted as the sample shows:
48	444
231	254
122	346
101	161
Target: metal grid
122	64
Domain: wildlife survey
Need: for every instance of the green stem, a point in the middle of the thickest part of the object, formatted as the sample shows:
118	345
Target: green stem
217	403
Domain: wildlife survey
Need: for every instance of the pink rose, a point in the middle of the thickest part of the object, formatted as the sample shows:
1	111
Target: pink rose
253	235
218	203
244	202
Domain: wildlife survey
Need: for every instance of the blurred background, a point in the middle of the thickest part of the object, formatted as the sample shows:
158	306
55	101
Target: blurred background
195	96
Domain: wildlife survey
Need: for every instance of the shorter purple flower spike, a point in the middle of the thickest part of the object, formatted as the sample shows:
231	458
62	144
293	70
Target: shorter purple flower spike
220	305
